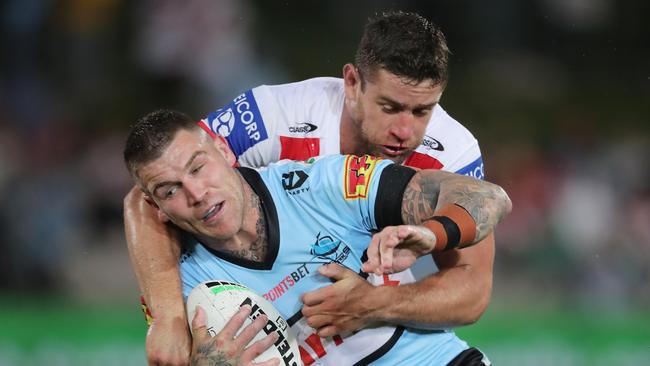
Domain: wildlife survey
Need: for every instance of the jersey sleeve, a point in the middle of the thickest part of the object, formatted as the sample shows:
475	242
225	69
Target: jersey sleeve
248	124
474	168
449	146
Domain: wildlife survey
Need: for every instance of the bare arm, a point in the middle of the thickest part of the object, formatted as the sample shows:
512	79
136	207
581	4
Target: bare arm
431	190
154	251
458	294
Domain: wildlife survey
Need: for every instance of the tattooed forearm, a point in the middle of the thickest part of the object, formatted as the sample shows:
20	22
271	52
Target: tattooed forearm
207	355
431	190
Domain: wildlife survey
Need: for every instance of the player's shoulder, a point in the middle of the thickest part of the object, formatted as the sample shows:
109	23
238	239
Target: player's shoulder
322	170
443	130
446	145
314	101
305	88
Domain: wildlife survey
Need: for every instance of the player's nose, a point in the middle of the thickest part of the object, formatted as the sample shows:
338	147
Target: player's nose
196	191
402	127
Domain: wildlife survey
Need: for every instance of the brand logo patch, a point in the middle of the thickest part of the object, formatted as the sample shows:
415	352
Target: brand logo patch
358	172
432	143
240	122
294	180
224	123
473	169
304	127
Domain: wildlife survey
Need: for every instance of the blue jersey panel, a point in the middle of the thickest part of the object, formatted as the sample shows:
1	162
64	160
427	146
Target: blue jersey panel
240	122
473	169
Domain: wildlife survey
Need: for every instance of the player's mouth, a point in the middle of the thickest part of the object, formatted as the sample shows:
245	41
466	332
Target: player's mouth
393	151
211	214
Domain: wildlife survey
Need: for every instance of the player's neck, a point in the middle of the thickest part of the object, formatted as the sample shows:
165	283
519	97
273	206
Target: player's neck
349	135
251	241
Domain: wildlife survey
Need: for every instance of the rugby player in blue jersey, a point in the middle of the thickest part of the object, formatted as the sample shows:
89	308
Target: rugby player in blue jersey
256	226
386	104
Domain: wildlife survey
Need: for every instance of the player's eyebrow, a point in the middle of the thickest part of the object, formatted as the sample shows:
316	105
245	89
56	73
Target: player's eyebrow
404	106
191	160
187	166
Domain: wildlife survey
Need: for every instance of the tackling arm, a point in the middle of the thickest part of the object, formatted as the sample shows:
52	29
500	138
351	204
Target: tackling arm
459	293
456	295
154	250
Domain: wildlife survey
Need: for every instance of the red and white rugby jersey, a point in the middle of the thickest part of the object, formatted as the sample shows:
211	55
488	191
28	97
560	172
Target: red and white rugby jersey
301	120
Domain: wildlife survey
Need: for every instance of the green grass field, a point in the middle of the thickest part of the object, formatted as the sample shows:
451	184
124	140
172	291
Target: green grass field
53	332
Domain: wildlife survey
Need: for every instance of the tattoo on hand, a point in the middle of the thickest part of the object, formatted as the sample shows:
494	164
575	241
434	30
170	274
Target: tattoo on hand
207	355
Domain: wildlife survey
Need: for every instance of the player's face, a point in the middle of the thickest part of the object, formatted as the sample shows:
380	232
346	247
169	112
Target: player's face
390	114
194	186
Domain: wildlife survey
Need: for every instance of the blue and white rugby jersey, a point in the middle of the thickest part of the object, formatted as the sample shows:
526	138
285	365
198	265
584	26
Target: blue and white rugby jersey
320	213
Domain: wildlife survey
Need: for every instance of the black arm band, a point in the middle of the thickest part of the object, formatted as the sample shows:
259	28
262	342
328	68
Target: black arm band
388	205
451	229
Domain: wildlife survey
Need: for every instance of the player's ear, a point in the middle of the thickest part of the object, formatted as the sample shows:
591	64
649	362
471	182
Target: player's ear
351	79
159	213
352	84
222	146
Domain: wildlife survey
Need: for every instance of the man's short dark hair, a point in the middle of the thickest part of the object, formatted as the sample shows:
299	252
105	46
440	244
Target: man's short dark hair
405	44
151	135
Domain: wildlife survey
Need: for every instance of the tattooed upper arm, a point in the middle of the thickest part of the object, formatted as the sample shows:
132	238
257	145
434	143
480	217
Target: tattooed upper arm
430	190
420	198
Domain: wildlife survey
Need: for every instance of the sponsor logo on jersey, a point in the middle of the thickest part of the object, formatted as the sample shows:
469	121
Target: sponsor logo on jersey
240	122
358	173
292	182
473	169
303	127
330	249
286	283
432	143
224	123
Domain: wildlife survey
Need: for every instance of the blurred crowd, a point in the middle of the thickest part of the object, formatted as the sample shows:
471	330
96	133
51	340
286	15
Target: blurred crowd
557	92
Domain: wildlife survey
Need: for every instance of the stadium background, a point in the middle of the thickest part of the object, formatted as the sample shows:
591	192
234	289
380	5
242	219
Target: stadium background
557	92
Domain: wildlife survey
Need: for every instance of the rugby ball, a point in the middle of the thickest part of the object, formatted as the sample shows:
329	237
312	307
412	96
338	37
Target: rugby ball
221	300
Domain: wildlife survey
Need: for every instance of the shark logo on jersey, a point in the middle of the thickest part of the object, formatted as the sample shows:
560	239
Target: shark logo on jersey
240	122
328	248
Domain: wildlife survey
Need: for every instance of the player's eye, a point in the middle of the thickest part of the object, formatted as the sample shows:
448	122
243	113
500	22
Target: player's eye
169	193
387	108
196	169
421	112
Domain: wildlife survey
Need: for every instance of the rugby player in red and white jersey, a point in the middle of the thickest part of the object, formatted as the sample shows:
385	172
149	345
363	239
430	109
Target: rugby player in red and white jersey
387	104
